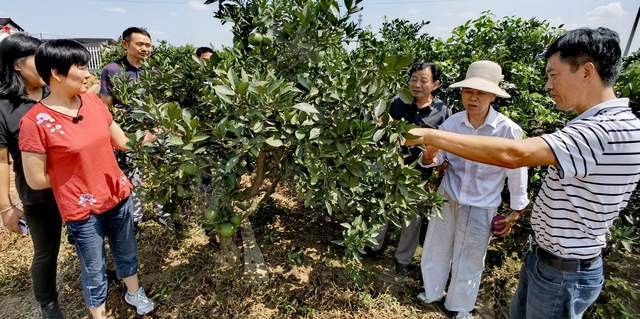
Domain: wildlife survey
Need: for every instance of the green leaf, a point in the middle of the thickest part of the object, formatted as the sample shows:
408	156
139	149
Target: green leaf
223	90
306	107
304	81
174	112
199	138
404	61
380	108
189	168
378	135
334	11
225	99
315	132
231	163
242	87
328	206
627	244
405	96
275	142
182	192
390	60
233	78
175	140
257	127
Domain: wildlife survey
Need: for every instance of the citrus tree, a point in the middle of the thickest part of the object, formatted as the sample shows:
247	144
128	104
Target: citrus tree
287	103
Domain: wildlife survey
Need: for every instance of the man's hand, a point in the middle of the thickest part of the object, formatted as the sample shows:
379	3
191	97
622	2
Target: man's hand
149	138
417	132
429	155
10	219
508	223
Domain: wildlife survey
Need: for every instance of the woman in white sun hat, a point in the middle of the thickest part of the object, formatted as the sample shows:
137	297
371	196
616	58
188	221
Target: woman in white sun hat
457	242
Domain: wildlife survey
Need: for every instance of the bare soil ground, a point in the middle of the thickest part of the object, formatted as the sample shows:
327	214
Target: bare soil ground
308	278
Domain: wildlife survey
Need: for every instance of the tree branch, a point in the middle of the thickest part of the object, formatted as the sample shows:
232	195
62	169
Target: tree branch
254	189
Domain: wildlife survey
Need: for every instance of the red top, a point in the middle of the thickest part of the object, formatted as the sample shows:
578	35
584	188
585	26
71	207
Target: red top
81	165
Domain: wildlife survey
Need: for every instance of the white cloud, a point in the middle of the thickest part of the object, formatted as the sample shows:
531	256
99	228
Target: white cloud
608	11
414	11
197	5
116	10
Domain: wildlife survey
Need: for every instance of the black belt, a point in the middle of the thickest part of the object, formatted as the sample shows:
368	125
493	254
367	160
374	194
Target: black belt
563	264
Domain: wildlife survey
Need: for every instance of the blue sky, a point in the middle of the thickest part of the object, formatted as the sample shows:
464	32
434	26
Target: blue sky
183	21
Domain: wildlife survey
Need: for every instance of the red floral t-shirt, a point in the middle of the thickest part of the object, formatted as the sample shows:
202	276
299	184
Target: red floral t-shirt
81	165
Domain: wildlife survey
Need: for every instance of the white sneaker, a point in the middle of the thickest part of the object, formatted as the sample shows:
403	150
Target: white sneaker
139	300
464	315
422	297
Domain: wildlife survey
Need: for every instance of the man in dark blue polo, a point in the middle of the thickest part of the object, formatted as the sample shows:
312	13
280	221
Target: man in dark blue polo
425	110
137	42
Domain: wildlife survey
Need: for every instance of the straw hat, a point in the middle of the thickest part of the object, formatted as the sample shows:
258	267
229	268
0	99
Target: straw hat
484	76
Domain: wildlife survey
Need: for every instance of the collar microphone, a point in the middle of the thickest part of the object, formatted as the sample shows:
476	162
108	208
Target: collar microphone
77	119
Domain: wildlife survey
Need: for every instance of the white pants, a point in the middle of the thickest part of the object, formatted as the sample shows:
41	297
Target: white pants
456	243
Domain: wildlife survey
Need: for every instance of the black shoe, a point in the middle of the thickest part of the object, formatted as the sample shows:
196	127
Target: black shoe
51	311
402	269
371	253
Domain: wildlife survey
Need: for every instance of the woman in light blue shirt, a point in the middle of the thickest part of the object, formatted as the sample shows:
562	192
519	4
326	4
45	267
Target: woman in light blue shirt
457	242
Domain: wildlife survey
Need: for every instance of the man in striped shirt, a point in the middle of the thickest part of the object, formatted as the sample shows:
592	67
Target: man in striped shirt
593	169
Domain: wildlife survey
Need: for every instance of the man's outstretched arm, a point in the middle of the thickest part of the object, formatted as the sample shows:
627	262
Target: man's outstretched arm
489	150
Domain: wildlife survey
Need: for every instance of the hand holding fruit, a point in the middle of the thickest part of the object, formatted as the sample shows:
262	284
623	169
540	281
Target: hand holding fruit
11	217
149	137
420	133
429	155
501	226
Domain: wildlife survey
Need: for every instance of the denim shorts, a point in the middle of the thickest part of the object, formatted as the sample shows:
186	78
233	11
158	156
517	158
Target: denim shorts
88	236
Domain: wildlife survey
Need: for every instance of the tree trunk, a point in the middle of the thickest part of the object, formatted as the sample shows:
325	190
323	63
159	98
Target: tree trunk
229	252
255	269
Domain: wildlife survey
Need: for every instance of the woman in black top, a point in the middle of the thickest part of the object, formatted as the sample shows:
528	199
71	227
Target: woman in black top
20	88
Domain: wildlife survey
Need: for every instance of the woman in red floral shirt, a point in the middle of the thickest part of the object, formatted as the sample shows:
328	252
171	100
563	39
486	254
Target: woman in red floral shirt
67	142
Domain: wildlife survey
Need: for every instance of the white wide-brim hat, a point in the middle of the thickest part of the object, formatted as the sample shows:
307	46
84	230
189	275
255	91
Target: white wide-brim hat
484	76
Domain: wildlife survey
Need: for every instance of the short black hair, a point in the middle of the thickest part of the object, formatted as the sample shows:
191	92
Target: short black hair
126	34
60	55
201	50
419	66
599	46
13	49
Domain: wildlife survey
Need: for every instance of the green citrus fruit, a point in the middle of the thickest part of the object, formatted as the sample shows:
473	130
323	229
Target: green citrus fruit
267	40
317	56
226	229
236	220
210	214
255	38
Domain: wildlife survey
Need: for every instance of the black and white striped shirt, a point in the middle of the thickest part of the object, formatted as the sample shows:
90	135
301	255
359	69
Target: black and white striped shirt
598	156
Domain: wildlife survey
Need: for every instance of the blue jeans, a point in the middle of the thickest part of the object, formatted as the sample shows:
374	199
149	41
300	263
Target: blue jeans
546	292
88	236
